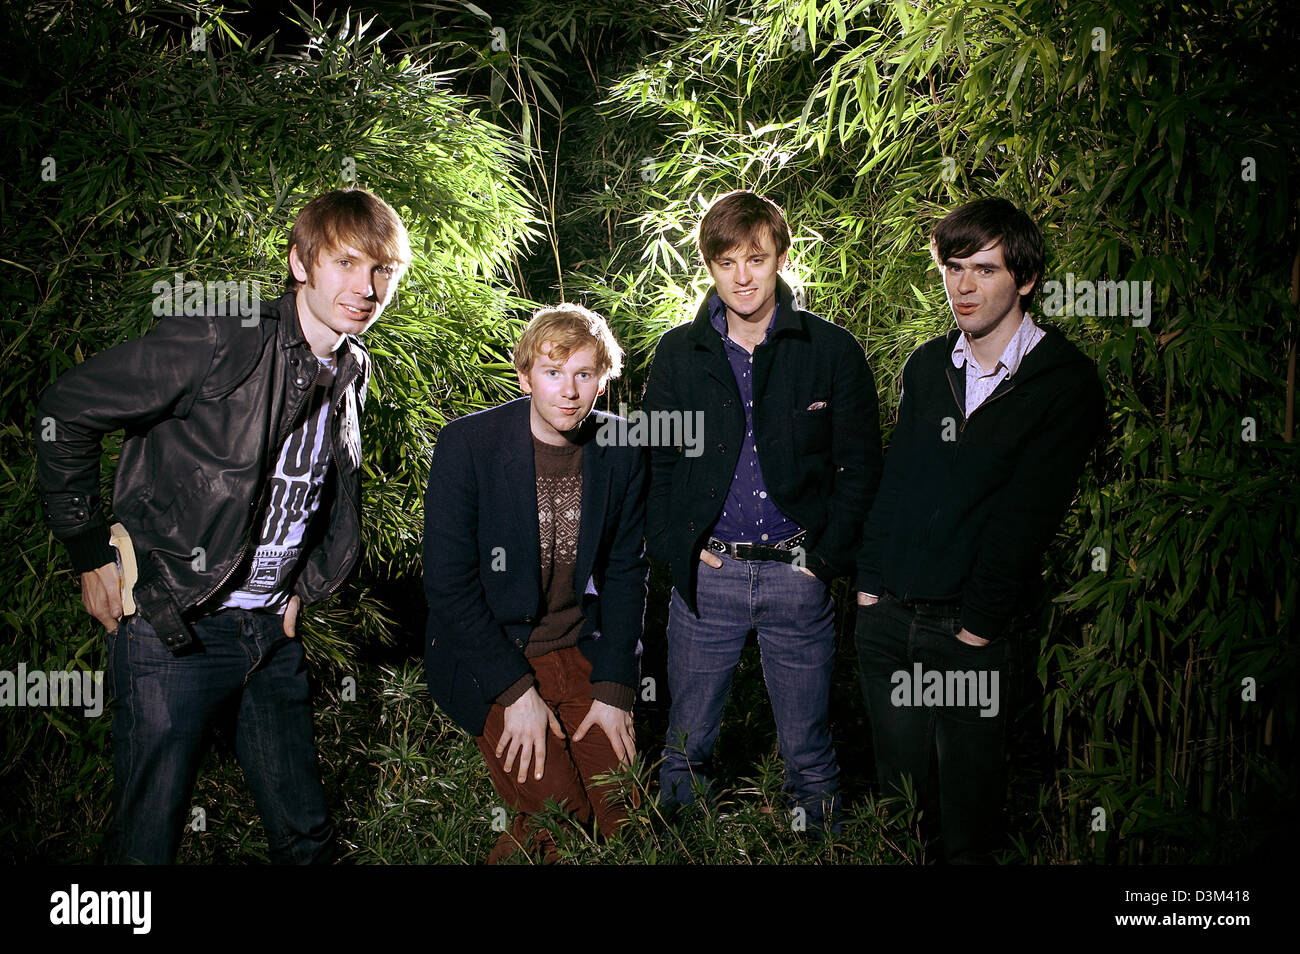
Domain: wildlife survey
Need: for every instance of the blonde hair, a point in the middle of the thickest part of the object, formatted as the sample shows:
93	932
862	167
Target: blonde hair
568	328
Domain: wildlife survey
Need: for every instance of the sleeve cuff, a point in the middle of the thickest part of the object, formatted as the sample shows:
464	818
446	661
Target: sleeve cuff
985	627
516	691
822	568
614	694
869	583
89	550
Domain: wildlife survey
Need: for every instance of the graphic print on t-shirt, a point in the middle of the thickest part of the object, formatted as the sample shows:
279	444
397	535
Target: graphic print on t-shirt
293	496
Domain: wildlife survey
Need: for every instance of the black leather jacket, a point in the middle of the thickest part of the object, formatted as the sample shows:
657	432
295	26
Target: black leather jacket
206	403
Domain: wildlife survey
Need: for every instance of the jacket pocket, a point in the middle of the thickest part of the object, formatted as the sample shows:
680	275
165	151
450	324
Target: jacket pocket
812	430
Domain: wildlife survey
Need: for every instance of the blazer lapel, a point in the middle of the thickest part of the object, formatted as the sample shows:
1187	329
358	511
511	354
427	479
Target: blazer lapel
519	475
595	497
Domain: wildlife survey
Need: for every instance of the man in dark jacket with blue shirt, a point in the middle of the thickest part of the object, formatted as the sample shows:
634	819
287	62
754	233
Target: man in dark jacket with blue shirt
996	420
760	516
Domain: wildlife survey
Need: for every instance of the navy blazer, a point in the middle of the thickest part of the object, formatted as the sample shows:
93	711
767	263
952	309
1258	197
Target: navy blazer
482	574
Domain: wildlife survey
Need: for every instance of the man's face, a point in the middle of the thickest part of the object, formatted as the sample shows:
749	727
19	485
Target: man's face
345	293
563	393
981	291
746	278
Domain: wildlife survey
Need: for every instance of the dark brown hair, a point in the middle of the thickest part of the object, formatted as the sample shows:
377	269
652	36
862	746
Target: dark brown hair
739	218
966	230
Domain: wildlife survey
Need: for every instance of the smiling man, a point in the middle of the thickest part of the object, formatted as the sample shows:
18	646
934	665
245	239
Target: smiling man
996	420
757	527
239	484
535	574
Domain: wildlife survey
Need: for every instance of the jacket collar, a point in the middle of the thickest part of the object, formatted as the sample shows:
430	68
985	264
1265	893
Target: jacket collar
519	446
1052	352
290	337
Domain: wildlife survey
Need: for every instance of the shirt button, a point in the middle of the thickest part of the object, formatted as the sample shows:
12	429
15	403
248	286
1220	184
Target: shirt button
763	536
762	494
722	448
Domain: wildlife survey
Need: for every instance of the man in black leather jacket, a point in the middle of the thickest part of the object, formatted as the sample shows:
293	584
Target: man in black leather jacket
239	483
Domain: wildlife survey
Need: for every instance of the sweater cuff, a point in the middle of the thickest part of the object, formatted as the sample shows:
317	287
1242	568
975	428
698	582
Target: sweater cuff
984	626
516	692
614	694
869	583
90	549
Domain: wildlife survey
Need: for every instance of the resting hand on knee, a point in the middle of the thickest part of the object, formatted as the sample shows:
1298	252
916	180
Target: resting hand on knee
617	726
524	734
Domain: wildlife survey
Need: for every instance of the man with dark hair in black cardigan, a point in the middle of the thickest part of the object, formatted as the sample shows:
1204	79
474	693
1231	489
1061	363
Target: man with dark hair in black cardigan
996	420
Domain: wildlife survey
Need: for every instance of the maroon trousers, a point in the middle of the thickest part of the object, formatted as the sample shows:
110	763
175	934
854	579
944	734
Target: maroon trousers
563	679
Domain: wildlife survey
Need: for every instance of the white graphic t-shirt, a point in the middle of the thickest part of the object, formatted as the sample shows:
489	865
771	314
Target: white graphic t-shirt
295	491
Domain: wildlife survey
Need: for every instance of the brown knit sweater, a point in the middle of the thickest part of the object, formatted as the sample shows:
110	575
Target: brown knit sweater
559	511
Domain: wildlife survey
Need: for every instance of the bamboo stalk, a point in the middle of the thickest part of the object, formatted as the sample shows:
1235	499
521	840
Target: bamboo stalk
1160	708
1210	753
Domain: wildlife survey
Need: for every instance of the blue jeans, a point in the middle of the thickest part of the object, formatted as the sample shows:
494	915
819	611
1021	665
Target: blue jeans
165	706
951	745
795	620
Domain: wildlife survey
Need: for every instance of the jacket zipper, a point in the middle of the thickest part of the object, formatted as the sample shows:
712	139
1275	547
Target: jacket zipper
962	430
985	403
334	584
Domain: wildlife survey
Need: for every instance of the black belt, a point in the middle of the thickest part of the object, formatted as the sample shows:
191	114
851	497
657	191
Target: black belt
927	607
783	552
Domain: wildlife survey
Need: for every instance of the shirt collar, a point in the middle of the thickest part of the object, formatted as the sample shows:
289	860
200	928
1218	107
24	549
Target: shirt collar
1012	354
718	317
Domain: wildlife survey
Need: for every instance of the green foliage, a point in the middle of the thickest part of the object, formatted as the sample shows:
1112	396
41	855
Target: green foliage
1126	132
1148	140
166	159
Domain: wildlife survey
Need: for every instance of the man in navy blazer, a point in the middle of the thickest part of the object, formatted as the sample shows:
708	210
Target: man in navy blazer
535	574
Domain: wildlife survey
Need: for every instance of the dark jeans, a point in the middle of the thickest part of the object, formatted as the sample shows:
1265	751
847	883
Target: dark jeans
165	707
563	680
947	733
794	618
